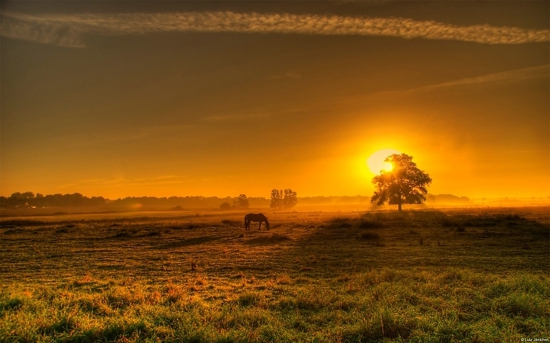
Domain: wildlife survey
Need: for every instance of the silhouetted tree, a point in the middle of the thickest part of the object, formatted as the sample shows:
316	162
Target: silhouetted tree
283	199
290	198
404	184
276	201
241	201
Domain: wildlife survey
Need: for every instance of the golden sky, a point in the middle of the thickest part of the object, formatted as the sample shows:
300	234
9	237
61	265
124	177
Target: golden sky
130	98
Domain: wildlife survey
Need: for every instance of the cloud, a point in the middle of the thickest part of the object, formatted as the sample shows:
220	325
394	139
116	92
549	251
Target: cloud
516	75
68	29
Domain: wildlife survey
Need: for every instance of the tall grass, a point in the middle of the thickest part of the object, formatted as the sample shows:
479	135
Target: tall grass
378	305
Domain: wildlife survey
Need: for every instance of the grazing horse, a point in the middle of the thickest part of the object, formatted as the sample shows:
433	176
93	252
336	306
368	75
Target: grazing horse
255	217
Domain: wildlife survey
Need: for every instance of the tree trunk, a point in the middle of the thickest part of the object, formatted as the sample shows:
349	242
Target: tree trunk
399	204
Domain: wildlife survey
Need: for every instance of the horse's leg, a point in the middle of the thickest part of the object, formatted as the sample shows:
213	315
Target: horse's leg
260	227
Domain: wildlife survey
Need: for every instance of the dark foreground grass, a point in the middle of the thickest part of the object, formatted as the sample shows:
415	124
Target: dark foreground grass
376	277
418	305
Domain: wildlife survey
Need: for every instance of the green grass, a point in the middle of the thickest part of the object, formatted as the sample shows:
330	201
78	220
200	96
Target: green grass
323	278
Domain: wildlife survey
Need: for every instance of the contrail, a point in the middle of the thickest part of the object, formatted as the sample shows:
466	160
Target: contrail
68	29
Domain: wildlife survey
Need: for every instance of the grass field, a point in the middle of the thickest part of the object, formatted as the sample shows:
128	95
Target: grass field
421	276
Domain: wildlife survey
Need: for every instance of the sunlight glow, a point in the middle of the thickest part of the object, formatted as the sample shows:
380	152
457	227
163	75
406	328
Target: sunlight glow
376	161
387	166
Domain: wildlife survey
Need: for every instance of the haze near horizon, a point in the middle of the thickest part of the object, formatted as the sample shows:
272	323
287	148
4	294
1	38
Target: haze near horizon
121	99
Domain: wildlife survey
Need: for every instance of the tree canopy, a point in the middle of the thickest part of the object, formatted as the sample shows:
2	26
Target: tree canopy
283	199
241	201
403	184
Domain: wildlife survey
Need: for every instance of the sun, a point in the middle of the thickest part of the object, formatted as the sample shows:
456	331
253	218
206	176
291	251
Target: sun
376	161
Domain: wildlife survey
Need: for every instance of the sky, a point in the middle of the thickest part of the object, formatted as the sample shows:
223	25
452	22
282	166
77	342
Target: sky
138	98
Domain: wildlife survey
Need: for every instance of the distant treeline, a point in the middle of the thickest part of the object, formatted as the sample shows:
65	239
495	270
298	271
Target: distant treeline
32	200
29	199
184	202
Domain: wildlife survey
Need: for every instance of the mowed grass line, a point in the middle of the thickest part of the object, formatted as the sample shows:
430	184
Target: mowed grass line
379	305
423	276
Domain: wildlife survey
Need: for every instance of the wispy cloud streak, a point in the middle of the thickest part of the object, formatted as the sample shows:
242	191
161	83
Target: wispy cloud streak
542	71
517	75
67	29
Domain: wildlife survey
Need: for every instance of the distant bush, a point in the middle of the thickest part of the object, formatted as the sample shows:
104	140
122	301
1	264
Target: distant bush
225	206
